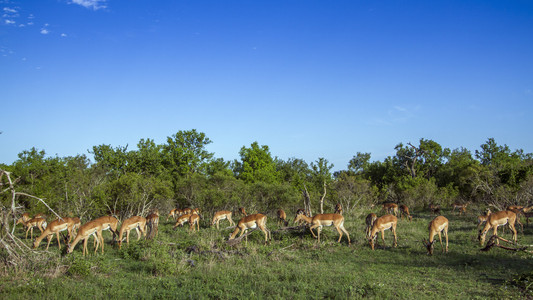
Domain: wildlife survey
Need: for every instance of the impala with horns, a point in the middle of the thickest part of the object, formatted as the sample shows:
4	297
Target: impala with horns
222	215
380	225
320	220
136	222
369	221
436	226
55	227
495	220
251	222
92	228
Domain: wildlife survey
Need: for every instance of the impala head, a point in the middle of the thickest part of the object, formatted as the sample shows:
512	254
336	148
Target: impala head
298	218
372	240
429	246
69	248
481	237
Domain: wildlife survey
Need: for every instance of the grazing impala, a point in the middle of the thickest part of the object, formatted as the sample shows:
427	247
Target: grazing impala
93	228
327	220
370	219
24	218
301	218
222	215
194	219
404	211
338	209
282	217
380	225
436	226
136	222
31	223
391	208
483	218
182	220
55	227
251	222
496	219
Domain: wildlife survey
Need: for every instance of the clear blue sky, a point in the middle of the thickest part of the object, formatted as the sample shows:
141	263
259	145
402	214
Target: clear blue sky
307	78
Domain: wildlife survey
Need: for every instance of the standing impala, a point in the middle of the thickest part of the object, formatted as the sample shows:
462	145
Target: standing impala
93	228
221	215
251	222
31	223
194	219
136	222
325	220
182	220
380	225
338	209
370	219
496	219
152	223
391	208
55	227
282	217
436	226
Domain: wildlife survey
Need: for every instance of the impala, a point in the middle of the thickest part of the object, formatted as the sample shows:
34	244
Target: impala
437	226
185	211
194	219
370	219
483	218
243	211
93	228
434	208
496	219
327	220
460	207
55	227
136	222
404	211
301	218
300	211
31	223
152	223
182	220
391	208
514	207
380	225
24	218
221	215
338	208
172	214
251	222
518	212
195	211
282	217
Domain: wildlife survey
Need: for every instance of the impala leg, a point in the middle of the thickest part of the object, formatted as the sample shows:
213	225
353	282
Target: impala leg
495	232
395	237
383	237
347	234
440	240
340	233
128	237
311	229
446	236
513	229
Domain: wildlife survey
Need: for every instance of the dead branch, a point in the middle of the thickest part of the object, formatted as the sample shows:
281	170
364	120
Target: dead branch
236	241
492	242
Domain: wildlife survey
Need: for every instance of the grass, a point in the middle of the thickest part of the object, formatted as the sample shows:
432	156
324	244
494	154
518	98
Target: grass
178	264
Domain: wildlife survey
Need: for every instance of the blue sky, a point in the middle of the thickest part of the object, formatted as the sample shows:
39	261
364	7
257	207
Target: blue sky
307	78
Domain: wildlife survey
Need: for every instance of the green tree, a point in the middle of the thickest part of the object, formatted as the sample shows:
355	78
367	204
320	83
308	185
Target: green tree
186	152
256	165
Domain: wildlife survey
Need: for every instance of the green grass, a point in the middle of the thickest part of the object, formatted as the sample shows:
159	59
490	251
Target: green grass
178	264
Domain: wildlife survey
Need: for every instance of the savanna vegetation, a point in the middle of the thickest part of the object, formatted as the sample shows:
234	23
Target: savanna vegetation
179	264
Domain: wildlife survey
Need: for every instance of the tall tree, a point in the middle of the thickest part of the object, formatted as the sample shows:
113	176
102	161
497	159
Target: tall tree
186	152
256	165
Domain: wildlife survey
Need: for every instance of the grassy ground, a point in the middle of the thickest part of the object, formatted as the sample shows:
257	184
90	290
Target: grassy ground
178	264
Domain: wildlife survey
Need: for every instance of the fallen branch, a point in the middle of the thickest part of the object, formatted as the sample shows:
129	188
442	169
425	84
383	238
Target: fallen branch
492	242
235	241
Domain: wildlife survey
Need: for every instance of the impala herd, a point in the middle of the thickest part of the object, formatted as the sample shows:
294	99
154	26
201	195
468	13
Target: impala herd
374	225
